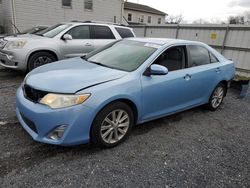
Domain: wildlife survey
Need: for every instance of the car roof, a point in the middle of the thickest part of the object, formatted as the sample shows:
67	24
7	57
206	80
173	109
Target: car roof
97	23
163	41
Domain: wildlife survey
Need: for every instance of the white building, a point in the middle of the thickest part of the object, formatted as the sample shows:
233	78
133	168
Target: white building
142	14
1	16
28	13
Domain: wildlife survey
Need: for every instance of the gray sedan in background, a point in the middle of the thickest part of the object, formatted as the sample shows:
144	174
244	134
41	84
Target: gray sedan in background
65	40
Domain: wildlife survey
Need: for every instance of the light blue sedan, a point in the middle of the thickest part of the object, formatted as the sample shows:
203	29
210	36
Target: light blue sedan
100	97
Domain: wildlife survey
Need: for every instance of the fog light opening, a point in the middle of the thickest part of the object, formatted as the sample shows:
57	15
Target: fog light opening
57	133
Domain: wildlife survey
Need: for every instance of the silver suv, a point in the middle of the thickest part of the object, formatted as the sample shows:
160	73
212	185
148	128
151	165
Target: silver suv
65	40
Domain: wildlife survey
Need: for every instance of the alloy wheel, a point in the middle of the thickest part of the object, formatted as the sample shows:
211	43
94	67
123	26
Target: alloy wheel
217	97
115	126
42	60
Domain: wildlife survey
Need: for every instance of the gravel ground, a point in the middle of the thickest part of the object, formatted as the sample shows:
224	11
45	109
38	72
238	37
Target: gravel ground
195	148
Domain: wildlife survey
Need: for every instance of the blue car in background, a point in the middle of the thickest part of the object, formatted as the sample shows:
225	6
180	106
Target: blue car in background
99	97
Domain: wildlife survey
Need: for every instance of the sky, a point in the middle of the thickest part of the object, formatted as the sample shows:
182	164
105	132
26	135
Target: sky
210	10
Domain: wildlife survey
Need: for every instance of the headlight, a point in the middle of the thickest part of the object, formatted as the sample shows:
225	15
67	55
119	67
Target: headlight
61	101
18	44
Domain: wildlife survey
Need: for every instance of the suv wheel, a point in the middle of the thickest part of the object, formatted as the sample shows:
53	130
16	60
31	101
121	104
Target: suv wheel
112	125
39	59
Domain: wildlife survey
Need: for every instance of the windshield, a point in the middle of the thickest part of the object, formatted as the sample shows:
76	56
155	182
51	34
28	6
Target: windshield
123	55
34	30
27	31
54	30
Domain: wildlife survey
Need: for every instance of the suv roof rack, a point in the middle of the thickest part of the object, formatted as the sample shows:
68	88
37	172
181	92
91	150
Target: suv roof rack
103	22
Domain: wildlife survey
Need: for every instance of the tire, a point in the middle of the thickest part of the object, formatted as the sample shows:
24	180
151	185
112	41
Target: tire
216	97
105	131
39	59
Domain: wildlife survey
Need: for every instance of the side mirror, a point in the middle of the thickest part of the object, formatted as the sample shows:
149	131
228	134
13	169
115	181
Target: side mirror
156	70
67	37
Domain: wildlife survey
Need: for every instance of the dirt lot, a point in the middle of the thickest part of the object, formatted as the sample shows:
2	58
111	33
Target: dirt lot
196	148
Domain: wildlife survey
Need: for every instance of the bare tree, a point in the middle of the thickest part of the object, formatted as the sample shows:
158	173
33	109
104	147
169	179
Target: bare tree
174	19
236	20
201	21
247	17
240	19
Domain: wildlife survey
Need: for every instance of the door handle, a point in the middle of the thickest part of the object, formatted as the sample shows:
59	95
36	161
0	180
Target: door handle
88	44
187	77
217	70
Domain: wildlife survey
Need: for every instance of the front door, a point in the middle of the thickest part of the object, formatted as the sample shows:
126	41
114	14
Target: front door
164	94
81	43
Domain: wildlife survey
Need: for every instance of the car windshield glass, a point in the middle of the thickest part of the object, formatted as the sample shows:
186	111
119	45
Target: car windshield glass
54	30
123	55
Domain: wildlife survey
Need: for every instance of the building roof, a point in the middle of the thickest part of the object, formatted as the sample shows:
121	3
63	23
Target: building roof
143	8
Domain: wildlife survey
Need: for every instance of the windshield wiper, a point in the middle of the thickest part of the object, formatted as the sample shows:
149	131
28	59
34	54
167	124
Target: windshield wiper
97	63
38	34
84	57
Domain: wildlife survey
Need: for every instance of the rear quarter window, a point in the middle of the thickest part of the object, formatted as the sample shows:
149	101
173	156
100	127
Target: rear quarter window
124	33
213	58
101	32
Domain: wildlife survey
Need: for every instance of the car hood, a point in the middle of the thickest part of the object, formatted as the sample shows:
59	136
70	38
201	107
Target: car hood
70	76
22	36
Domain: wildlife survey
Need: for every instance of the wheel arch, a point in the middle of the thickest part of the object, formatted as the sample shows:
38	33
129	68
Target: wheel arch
52	52
127	101
132	105
225	84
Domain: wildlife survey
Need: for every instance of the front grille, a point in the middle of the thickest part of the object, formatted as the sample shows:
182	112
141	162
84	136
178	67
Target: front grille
29	123
32	94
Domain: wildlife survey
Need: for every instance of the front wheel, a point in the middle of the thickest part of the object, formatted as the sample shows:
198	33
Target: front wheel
217	97
39	59
112	125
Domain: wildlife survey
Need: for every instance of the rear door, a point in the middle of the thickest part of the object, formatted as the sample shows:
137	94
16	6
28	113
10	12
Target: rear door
204	71
101	35
81	43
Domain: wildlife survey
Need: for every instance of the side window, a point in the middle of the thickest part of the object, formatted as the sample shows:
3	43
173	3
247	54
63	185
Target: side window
124	33
149	19
102	32
173	58
159	20
88	5
129	17
142	18
80	32
213	58
198	56
66	3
